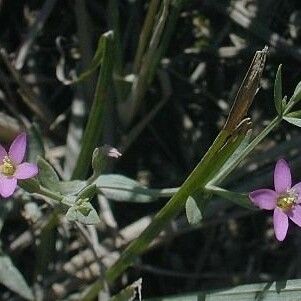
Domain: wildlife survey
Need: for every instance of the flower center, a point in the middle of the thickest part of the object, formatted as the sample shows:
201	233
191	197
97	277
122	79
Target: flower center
287	200
7	168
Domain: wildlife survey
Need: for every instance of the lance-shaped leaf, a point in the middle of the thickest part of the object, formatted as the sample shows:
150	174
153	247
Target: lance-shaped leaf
123	189
293	118
278	91
297	93
94	125
47	175
195	206
241	199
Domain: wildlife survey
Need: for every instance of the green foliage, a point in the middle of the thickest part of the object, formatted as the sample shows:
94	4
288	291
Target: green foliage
124	189
240	199
71	187
193	212
135	71
47	176
82	211
293	118
94	125
297	94
278	91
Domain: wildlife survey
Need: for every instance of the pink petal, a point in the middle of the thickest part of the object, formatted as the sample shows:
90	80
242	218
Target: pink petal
26	170
7	186
264	198
297	189
295	215
282	176
17	149
280	224
3	153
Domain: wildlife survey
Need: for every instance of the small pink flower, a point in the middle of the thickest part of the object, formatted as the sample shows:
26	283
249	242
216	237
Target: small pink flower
12	168
111	151
285	200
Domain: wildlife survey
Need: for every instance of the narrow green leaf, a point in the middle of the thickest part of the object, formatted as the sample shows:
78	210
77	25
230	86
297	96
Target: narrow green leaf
297	93
121	188
193	212
278	91
47	175
294	118
13	279
241	199
295	114
94	125
284	103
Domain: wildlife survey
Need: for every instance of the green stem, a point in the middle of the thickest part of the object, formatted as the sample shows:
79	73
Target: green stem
146	33
94	126
198	178
274	123
50	194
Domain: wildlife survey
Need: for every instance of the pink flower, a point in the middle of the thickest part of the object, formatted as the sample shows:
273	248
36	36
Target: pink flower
111	151
285	200
12	168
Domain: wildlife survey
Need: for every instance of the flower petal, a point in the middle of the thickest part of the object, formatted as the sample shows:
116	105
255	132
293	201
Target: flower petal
295	215
17	149
282	176
264	198
26	170
7	186
3	153
280	224
297	189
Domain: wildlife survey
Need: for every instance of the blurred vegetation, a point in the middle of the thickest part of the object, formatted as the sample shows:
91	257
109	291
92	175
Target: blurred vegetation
177	66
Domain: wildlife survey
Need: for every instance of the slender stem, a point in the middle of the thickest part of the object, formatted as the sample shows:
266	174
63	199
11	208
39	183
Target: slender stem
145	33
50	194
